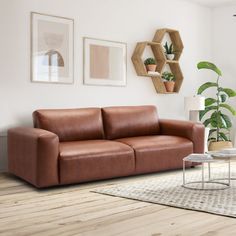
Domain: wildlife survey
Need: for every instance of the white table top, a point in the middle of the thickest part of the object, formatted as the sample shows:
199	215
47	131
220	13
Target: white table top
198	158
222	155
209	157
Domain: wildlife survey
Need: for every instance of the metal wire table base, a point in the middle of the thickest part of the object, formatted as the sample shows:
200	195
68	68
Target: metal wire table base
204	186
205	183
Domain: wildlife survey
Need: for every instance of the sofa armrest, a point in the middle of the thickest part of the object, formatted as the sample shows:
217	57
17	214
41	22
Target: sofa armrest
187	129
33	155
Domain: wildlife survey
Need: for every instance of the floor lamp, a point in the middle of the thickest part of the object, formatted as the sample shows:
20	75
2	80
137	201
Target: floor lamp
192	106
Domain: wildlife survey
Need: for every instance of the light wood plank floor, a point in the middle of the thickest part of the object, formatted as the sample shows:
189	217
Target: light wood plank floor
75	210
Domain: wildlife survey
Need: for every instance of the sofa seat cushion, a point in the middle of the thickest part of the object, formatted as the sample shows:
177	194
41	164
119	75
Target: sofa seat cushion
82	161
158	152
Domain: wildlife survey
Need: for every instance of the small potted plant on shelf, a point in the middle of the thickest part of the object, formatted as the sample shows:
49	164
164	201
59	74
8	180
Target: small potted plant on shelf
169	81
169	50
150	64
214	115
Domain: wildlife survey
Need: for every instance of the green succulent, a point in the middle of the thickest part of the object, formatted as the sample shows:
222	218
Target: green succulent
219	122
168	76
150	61
169	49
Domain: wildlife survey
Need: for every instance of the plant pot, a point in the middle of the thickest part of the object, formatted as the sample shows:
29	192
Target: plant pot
151	67
216	146
169	86
170	56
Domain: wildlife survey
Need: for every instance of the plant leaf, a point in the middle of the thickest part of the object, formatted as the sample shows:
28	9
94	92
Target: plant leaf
209	101
211	139
228	91
222	123
223	136
215	121
207	109
212	131
228	123
219	120
229	108
171	48
205	86
210	66
211	134
223	97
207	122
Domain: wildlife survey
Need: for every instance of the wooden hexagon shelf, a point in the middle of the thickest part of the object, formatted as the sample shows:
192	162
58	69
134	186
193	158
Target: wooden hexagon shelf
175	69
175	39
161	60
159	84
137	57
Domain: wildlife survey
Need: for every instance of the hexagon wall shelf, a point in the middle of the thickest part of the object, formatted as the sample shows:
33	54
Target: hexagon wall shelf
158	52
138	53
175	39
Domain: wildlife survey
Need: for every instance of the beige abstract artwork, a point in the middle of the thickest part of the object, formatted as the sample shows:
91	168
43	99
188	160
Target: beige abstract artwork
104	62
99	62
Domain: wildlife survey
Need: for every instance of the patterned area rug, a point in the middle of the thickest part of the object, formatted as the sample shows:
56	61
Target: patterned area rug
168	191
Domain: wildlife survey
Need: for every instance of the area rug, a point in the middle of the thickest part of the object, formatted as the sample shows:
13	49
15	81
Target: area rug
168	191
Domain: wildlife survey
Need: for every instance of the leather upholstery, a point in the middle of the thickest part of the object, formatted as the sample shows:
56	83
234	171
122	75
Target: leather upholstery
120	122
71	124
158	152
95	159
33	155
70	146
187	129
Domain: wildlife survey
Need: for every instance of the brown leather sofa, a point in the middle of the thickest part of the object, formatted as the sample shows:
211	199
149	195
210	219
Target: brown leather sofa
79	145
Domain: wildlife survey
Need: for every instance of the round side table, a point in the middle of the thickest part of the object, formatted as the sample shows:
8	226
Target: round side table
205	184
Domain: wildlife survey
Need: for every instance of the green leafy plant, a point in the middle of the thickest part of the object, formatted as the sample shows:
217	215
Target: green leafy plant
169	49
150	61
168	76
219	122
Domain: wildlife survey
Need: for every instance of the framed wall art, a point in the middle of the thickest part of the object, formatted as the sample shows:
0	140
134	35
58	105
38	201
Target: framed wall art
104	62
52	49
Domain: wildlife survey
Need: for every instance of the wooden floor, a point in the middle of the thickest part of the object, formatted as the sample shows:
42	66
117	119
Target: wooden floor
75	210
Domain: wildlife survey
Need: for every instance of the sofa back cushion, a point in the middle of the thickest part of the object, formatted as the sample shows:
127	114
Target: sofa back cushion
130	121
71	124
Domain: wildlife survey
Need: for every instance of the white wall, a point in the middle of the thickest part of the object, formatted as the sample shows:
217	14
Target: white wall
129	21
224	47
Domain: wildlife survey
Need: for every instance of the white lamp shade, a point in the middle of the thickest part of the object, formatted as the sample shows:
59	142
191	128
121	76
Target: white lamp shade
195	103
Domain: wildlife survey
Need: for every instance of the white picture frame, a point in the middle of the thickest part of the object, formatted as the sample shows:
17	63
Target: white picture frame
104	62
52	49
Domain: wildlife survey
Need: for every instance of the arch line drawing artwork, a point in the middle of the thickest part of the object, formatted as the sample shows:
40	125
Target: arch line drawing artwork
52	49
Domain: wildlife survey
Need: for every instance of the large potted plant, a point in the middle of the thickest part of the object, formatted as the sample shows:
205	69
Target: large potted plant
214	115
169	81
